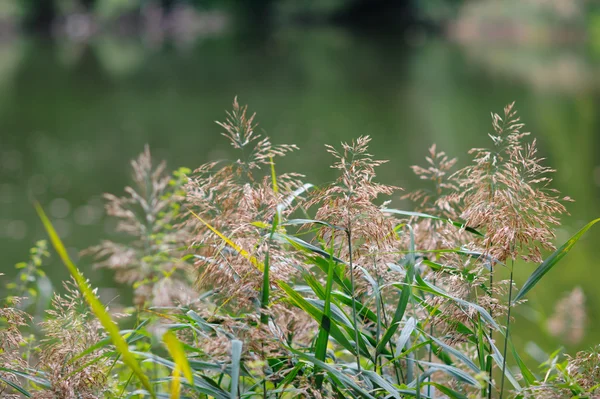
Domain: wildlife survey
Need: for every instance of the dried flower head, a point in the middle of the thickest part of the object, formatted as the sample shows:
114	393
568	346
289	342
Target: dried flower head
506	193
12	320
148	213
70	329
439	199
240	202
349	201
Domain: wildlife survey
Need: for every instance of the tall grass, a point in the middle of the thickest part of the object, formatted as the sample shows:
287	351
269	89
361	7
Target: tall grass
253	284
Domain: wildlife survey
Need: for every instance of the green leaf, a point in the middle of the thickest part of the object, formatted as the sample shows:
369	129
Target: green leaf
175	348
35	379
236	357
404	297
325	326
427	216
408	329
552	260
335	373
525	372
458	354
97	307
301	244
387	386
451	370
428	287
16	387
452	394
317	315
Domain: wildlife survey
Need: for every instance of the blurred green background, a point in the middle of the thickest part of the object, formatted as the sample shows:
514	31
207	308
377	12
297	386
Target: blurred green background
84	84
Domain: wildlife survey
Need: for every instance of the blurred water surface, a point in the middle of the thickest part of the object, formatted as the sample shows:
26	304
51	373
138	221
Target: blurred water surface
72	115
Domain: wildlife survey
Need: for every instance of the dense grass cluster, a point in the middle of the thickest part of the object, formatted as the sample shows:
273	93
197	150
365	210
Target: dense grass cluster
249	283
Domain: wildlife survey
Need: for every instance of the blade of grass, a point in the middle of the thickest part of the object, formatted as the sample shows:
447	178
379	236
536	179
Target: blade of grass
175	348
325	326
176	383
316	314
99	310
404	297
236	357
16	387
334	372
427	216
552	260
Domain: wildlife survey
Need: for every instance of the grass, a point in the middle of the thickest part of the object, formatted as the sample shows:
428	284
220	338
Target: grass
253	284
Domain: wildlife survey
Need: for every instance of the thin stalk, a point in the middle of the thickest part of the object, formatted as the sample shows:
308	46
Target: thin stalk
354	317
490	375
430	352
507	327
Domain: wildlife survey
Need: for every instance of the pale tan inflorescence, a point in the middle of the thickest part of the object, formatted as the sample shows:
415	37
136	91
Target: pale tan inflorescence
69	330
506	192
151	260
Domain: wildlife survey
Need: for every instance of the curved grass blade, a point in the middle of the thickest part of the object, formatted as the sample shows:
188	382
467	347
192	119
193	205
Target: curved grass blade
404	297
450	393
95	304
335	373
301	244
35	379
552	260
16	387
428	287
427	216
317	315
295	222
458	354
450	370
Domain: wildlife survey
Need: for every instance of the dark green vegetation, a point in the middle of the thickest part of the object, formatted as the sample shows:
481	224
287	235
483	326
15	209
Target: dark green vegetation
250	282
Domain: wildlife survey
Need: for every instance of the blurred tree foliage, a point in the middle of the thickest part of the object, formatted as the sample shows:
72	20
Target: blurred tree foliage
40	14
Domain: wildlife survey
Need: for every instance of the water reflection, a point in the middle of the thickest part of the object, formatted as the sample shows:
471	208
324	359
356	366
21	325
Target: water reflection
73	114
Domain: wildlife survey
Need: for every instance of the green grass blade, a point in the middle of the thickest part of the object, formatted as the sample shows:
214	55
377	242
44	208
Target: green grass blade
337	374
35	379
404	297
427	216
452	371
317	315
398	315
428	287
458	354
325	326
552	260
408	329
528	376
99	310
450	393
305	246
236	358
16	387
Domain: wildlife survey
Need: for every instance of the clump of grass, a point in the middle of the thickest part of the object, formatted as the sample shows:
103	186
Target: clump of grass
262	286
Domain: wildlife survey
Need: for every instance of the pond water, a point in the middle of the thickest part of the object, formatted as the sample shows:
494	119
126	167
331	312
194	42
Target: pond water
72	115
